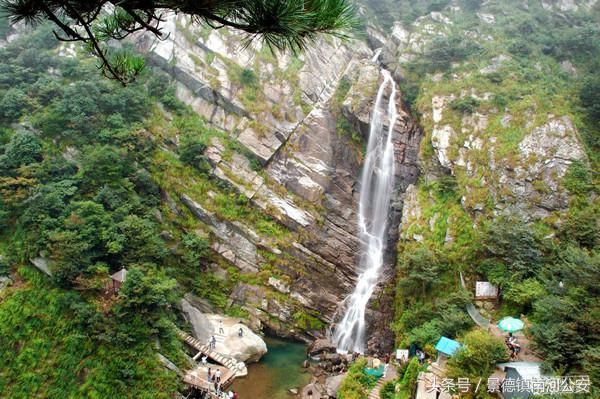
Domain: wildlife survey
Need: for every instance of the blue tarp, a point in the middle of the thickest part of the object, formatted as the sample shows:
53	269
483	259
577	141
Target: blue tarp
377	372
447	346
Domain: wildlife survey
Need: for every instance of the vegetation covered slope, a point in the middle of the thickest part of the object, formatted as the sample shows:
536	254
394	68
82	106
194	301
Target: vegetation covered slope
87	171
489	74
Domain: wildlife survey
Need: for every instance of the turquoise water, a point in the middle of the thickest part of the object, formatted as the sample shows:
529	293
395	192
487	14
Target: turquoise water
276	373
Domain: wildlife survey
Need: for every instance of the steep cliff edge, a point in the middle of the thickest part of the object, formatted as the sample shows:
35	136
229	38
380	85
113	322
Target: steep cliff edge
297	124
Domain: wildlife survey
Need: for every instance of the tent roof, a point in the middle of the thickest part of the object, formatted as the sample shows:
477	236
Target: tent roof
447	346
120	275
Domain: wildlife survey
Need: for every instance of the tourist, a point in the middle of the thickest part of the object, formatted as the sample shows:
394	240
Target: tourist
420	356
309	393
221	330
204	360
218	375
241	332
209	374
213	342
235	395
230	395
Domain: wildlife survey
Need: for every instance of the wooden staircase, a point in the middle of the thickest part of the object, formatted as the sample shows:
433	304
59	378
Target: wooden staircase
238	368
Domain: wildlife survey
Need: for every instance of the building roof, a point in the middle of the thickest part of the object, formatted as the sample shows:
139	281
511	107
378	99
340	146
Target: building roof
527	370
120	276
447	346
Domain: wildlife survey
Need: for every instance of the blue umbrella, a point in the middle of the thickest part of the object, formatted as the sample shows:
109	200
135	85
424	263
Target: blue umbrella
510	324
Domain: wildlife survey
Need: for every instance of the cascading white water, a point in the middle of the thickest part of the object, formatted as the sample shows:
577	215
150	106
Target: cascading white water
377	183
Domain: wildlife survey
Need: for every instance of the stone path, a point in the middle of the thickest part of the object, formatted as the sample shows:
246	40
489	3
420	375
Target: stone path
390	375
526	354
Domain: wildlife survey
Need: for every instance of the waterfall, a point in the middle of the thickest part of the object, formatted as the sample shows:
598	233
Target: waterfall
377	182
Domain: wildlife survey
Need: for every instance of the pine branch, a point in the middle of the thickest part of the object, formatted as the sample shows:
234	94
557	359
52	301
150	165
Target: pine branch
281	24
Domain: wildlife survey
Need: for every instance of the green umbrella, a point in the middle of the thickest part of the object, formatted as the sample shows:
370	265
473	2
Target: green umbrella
510	324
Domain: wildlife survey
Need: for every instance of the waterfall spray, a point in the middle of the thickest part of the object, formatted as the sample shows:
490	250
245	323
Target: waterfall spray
377	183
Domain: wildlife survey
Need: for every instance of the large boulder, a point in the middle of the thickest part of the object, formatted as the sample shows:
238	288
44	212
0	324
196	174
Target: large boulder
248	348
5	282
320	346
332	384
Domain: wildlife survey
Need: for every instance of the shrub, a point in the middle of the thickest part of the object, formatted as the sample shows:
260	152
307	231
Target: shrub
443	51
357	384
191	152
477	357
408	383
466	105
520	48
248	77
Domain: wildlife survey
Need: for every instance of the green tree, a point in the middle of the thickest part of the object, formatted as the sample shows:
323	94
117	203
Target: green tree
86	235
24	148
289	24
104	165
421	269
140	240
13	104
191	151
566	319
357	384
513	252
477	358
196	249
147	290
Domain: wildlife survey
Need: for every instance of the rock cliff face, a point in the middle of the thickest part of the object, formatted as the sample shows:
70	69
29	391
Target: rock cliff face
503	163
303	120
297	121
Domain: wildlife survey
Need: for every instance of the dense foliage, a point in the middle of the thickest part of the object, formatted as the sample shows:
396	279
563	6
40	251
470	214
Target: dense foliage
476	360
357	384
77	189
56	344
536	263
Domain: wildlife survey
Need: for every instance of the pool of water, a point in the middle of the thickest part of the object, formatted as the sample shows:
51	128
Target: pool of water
276	373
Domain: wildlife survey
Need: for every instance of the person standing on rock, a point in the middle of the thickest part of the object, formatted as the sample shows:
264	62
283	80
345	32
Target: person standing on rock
221	330
241	332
